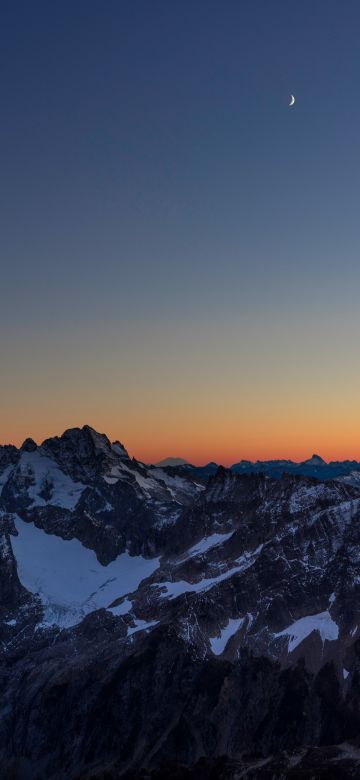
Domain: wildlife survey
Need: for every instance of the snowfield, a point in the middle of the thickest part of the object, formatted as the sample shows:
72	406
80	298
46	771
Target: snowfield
298	631
68	577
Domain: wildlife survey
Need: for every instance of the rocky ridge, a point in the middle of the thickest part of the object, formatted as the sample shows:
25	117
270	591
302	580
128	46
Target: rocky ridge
174	625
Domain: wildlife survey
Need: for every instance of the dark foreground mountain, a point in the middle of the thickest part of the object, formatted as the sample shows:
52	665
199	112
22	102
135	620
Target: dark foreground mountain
154	625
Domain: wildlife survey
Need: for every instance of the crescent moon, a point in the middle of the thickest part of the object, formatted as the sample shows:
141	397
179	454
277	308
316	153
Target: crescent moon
292	100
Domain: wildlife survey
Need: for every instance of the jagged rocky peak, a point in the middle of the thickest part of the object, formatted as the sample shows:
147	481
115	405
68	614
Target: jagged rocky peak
120	450
87	443
29	445
80	452
221	473
228	480
79	485
9	455
100	440
315	460
84	435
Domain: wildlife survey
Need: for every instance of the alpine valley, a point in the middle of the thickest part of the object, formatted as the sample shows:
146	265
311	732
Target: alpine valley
174	621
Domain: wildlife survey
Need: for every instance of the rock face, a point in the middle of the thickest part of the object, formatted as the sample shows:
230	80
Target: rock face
157	626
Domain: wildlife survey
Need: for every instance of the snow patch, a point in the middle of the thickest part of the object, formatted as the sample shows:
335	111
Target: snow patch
176	483
298	631
207	543
46	474
115	473
121	471
142	625
68	577
218	643
121	609
248	558
4	476
178	587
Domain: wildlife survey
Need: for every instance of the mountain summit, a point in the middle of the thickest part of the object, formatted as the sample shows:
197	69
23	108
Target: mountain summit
315	460
173	462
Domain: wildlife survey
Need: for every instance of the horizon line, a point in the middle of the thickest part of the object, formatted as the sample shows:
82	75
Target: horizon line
197	462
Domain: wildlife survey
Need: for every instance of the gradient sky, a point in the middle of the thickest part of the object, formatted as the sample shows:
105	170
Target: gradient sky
180	262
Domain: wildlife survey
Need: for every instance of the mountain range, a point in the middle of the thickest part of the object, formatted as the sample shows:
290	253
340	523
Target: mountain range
159	622
312	467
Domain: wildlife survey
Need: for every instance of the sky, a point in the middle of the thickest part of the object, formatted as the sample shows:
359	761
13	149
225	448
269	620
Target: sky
179	248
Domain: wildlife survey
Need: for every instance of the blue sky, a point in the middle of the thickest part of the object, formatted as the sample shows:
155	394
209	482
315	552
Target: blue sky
153	177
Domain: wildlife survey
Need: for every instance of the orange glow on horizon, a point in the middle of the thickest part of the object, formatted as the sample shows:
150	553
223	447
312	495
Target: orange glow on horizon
201	445
198	391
